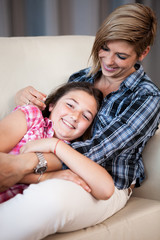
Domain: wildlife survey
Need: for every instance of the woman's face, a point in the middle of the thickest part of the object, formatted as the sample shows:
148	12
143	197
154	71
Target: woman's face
117	59
73	114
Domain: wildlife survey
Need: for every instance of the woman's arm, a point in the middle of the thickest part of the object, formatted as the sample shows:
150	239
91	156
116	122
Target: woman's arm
61	174
14	168
98	179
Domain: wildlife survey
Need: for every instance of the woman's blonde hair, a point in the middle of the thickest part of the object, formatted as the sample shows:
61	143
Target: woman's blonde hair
134	23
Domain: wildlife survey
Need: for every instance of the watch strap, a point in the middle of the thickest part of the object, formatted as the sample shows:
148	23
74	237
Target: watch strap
42	164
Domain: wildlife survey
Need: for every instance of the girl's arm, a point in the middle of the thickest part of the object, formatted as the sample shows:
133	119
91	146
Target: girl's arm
98	179
20	168
13	168
12	129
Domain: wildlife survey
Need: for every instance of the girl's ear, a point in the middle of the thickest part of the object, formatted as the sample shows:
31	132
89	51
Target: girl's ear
51	106
144	54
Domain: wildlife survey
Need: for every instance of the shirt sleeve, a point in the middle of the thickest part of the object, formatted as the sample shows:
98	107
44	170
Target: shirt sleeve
81	76
33	115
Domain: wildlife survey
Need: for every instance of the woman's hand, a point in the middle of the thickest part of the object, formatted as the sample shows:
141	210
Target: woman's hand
15	167
11	171
67	175
30	95
61	174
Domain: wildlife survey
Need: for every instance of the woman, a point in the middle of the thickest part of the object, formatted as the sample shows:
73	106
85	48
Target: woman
129	116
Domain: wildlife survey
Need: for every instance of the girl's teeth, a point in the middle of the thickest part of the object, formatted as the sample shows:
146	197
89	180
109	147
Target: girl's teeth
67	123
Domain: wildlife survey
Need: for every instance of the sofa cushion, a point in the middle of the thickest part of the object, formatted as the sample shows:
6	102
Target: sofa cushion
137	221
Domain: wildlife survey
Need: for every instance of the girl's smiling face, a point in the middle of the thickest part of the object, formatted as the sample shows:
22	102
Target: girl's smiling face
117	59
73	114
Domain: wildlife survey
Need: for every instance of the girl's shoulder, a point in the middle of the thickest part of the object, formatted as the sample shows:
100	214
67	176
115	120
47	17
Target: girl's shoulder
32	113
30	109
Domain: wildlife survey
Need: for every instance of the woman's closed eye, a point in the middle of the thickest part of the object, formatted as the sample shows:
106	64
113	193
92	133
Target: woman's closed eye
121	57
105	48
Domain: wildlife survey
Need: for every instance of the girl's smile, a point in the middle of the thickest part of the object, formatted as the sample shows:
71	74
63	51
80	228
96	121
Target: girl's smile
68	124
73	114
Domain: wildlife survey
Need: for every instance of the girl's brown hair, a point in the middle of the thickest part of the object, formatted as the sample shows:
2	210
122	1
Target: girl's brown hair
73	86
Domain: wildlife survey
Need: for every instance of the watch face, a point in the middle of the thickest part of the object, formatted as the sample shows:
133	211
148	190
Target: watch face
42	165
41	169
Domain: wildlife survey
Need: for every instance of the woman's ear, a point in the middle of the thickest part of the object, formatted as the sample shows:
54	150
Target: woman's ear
51	106
145	53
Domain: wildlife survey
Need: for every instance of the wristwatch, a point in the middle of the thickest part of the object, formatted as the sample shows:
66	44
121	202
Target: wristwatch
42	165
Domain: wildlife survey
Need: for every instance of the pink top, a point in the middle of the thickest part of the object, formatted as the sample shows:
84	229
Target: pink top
37	126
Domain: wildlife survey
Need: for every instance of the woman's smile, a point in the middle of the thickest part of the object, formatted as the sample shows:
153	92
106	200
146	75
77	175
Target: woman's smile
109	69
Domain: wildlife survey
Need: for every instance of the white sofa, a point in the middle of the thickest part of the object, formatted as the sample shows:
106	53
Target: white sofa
45	62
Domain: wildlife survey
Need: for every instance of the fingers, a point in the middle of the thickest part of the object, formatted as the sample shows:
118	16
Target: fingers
67	175
70	176
36	93
30	95
83	185
37	98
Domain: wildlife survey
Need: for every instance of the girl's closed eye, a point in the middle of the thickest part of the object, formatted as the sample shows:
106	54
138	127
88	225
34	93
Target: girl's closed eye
69	104
87	116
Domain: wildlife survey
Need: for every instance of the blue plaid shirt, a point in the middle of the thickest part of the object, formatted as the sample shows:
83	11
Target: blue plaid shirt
127	119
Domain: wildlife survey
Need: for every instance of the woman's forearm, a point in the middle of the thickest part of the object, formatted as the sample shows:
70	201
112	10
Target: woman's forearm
14	168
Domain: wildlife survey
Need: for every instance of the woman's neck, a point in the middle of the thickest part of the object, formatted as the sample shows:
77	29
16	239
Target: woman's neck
107	85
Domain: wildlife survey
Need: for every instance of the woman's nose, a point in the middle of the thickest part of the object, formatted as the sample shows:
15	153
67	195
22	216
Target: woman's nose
109	60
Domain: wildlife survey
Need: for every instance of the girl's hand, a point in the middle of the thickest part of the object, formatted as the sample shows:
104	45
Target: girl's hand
30	95
67	175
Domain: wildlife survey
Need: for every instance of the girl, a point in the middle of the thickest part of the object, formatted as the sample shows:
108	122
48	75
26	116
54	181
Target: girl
69	112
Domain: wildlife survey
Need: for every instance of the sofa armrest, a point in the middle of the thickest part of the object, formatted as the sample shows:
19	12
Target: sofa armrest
151	157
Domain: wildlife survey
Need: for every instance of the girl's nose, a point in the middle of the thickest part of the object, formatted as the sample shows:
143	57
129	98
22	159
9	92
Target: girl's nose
75	115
